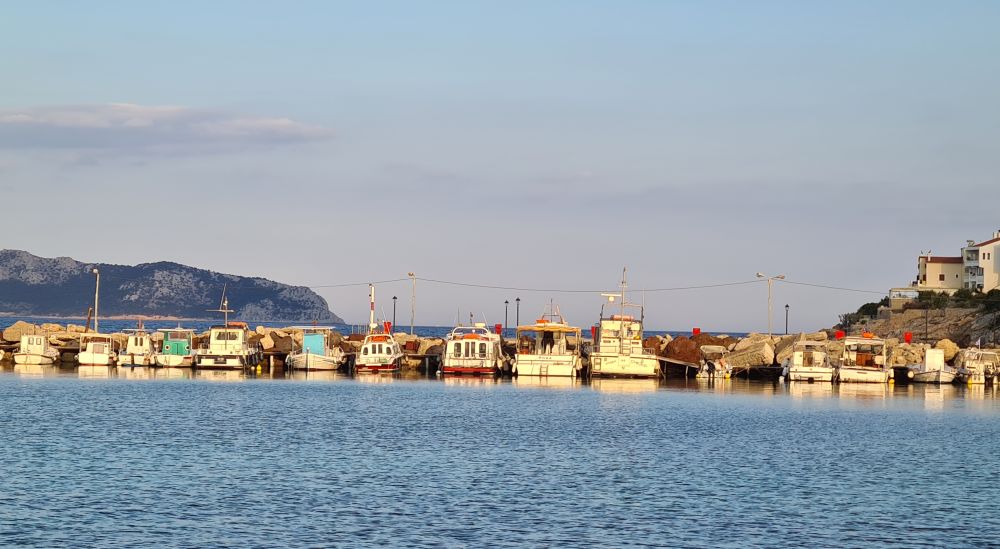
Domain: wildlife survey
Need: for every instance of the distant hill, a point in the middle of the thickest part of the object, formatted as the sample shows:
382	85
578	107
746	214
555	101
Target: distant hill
38	286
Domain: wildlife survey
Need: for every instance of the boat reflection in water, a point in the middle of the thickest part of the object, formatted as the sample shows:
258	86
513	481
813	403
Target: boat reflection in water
316	375
95	372
470	380
804	389
136	372
36	370
554	382
375	378
174	373
219	375
620	385
864	391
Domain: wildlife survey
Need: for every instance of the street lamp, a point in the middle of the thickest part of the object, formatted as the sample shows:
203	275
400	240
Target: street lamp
413	299
770	283
506	305
517	317
786	319
97	295
393	311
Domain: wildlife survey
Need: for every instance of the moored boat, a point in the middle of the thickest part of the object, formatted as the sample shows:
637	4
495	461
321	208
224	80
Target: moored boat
933	369
379	352
544	349
976	366
35	350
316	352
96	350
864	361
809	362
176	350
714	363
472	350
618	349
229	346
138	349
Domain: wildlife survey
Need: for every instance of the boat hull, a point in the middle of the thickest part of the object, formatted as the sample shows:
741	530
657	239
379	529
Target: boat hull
624	366
135	360
95	359
862	375
976	378
814	374
312	361
223	362
387	367
31	359
173	361
567	367
937	376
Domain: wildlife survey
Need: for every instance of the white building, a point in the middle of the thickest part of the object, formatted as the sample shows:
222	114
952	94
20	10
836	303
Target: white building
980	264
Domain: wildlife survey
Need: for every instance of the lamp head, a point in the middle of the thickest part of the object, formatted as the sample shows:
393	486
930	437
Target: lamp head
760	275
95	271
411	275
780	277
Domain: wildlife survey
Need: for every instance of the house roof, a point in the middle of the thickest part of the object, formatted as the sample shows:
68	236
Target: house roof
988	242
942	259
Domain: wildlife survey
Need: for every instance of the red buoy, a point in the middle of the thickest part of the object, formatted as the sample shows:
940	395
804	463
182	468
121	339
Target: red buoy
695	331
388	327
908	337
593	332
840	334
498	328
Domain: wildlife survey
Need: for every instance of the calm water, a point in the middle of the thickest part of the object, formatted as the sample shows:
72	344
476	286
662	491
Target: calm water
333	461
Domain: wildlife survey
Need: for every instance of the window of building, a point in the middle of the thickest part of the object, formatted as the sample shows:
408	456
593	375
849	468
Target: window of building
941	277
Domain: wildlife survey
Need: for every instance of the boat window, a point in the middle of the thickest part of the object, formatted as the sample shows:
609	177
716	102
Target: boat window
482	350
457	349
364	350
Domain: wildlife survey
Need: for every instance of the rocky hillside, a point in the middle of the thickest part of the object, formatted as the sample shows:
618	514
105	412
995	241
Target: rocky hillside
37	286
964	326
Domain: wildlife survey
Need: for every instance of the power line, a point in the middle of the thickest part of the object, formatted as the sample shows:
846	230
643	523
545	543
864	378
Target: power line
786	281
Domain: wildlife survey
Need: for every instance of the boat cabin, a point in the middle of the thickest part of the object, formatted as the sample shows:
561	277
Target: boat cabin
808	353
864	352
139	343
177	342
619	334
227	338
34	344
378	349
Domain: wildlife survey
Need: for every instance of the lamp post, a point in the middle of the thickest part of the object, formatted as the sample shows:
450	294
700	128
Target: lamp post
506	305
770	284
413	299
786	319
517	313
97	295
393	311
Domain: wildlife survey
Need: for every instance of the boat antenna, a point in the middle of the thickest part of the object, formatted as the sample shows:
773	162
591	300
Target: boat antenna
225	310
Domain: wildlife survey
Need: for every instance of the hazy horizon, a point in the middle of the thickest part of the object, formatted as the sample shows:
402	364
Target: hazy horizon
509	144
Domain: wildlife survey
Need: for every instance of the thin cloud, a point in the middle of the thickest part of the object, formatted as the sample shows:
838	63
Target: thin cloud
130	127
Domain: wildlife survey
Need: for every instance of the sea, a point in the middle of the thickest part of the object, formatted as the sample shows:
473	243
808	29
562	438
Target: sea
122	457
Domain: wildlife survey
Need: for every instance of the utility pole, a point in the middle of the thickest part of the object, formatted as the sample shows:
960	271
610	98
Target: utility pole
97	295
786	319
413	299
770	283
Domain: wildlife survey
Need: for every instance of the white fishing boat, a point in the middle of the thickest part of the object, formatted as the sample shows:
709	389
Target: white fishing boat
809	362
933	369
35	350
229	346
316	352
714	363
544	349
976	366
138	349
379	353
177	349
96	350
618	349
864	361
472	350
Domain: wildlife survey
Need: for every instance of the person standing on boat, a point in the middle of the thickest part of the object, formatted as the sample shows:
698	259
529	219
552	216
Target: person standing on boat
548	341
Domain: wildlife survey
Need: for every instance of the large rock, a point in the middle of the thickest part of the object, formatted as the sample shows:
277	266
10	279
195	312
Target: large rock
51	327
14	332
948	346
429	345
651	343
751	340
76	328
908	354
758	353
683	349
708	339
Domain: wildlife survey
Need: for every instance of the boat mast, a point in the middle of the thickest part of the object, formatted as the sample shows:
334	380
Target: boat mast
224	309
371	312
621	328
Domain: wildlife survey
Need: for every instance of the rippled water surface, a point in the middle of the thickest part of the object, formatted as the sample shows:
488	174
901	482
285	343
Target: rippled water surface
326	460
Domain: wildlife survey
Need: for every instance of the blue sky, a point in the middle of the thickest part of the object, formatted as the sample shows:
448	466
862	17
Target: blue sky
527	144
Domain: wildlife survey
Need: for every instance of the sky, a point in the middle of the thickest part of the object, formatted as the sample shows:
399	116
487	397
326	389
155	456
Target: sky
530	145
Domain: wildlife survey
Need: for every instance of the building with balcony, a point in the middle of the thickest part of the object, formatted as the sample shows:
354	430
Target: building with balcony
980	264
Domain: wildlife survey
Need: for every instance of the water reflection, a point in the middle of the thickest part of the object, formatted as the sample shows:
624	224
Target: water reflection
35	370
557	382
95	372
175	373
863	391
804	390
316	375
469	380
136	372
219	375
612	385
374	378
